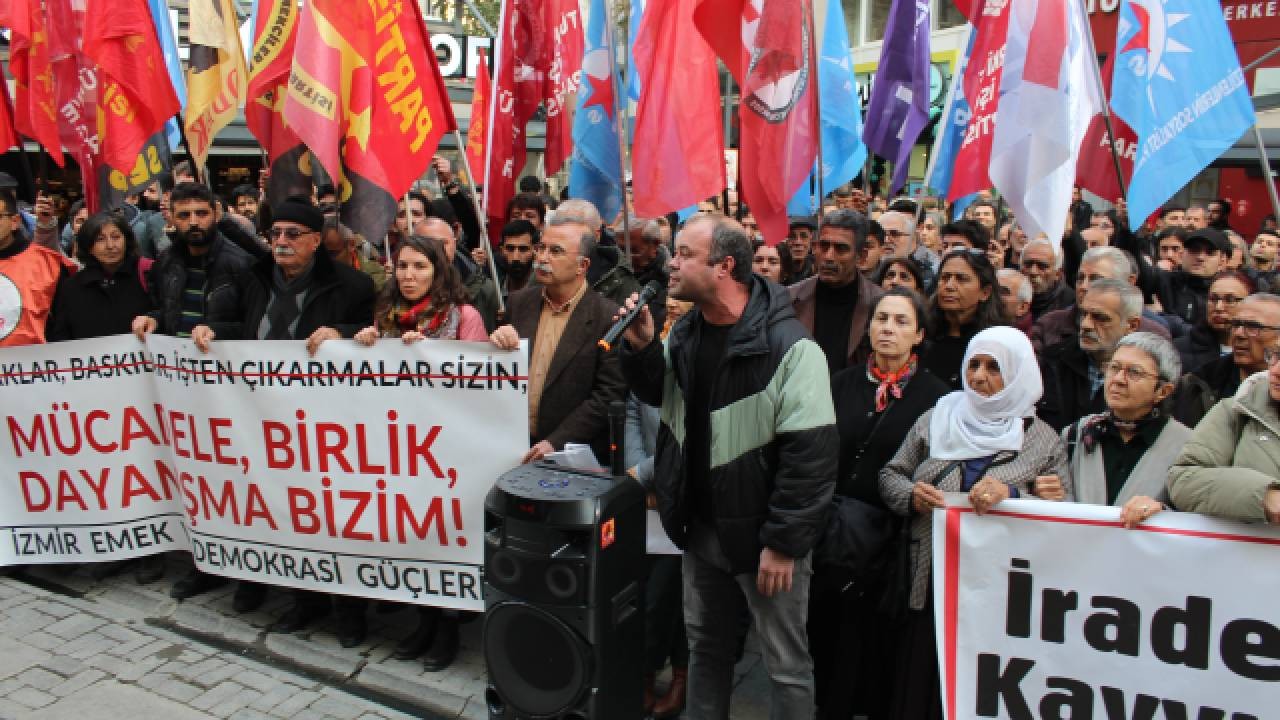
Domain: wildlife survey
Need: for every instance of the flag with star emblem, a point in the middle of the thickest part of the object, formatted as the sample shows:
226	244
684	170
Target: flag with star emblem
275	33
596	171
843	153
134	95
366	96
768	47
1177	82
35	114
216	75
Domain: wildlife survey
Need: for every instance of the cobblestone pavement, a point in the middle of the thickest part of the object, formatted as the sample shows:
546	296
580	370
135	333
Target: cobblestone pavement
75	648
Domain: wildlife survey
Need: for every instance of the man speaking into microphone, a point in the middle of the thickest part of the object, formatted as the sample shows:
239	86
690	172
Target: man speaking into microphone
746	459
572	380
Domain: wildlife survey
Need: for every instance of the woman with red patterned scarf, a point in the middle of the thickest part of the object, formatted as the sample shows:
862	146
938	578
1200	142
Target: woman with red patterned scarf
876	403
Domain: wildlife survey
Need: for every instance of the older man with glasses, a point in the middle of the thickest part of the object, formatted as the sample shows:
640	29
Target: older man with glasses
1255	328
900	241
297	293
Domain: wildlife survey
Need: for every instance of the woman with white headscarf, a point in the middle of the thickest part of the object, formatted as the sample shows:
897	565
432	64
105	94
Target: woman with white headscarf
984	440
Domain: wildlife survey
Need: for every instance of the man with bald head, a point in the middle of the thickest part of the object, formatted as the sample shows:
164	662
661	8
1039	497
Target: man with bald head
483	292
608	273
572	380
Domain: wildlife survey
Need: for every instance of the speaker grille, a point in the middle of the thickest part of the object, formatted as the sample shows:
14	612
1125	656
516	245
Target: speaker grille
537	662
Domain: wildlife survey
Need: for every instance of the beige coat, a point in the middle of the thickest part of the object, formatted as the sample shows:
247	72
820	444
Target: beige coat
1232	458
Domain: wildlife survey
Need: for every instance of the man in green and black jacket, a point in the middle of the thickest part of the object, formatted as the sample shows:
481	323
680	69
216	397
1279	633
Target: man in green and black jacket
746	458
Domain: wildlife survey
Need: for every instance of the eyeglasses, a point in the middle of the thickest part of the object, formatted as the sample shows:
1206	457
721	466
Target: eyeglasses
555	251
1132	373
827	246
1228	300
1252	328
8	214
289	234
1036	264
897	233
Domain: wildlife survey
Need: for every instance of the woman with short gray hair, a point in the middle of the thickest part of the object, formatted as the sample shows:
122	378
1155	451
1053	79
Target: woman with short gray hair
1122	456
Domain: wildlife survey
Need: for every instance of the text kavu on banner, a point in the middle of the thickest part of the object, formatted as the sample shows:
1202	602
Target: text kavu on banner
265	463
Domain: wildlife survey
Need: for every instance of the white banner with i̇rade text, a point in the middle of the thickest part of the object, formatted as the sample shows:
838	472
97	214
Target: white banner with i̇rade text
1054	610
360	471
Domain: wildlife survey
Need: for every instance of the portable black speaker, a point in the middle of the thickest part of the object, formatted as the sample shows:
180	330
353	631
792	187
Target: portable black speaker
564	595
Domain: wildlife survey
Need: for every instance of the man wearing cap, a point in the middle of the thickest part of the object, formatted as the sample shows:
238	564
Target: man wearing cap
800	245
1183	292
299	294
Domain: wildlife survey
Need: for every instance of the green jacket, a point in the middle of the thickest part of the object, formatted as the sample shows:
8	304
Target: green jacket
1232	458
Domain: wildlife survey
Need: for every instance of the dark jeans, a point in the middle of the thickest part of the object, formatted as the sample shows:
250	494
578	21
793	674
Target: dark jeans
664	615
713	602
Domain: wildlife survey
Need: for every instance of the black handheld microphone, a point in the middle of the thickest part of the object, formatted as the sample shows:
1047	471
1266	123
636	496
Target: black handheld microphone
648	293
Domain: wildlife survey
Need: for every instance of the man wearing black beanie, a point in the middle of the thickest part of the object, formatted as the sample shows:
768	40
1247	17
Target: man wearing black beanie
298	293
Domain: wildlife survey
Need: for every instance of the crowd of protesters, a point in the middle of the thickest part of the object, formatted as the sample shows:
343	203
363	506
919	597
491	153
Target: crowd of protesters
882	354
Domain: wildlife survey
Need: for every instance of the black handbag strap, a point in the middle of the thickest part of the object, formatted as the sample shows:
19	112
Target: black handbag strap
946	470
857	456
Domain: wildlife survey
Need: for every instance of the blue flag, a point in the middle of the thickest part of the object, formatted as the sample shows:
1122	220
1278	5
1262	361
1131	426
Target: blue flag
951	128
172	63
596	171
899	107
633	26
1177	82
843	153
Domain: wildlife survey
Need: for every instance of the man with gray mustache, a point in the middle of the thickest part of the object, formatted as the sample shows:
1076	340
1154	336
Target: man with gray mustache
298	293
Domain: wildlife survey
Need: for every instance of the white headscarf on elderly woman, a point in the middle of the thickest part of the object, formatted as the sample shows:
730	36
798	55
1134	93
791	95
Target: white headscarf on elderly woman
966	425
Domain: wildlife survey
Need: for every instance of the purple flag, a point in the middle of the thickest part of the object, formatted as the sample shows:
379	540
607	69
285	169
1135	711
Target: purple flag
899	107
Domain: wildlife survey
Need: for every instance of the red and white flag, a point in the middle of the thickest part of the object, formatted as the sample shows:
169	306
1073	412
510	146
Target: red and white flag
1096	170
990	19
769	53
1048	96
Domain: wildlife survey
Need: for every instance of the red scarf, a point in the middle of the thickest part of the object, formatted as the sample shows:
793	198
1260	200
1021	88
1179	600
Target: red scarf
890	383
408	320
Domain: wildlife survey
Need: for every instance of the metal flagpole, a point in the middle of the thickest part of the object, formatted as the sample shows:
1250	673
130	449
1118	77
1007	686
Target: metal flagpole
1265	57
947	106
620	120
728	86
1266	171
480	217
1106	102
817	102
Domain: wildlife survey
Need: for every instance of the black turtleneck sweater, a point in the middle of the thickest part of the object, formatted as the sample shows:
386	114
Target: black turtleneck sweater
832	316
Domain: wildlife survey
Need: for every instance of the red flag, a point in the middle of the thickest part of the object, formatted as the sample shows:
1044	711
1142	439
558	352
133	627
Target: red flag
365	89
678	122
1096	171
75	82
982	90
35	113
136	97
516	92
768	51
479	116
561	65
274	35
8	138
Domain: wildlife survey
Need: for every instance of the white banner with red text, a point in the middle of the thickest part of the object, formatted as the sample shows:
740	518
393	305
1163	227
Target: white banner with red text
1055	610
359	471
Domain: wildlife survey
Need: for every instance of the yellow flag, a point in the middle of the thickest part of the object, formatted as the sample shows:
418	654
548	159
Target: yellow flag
216	75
